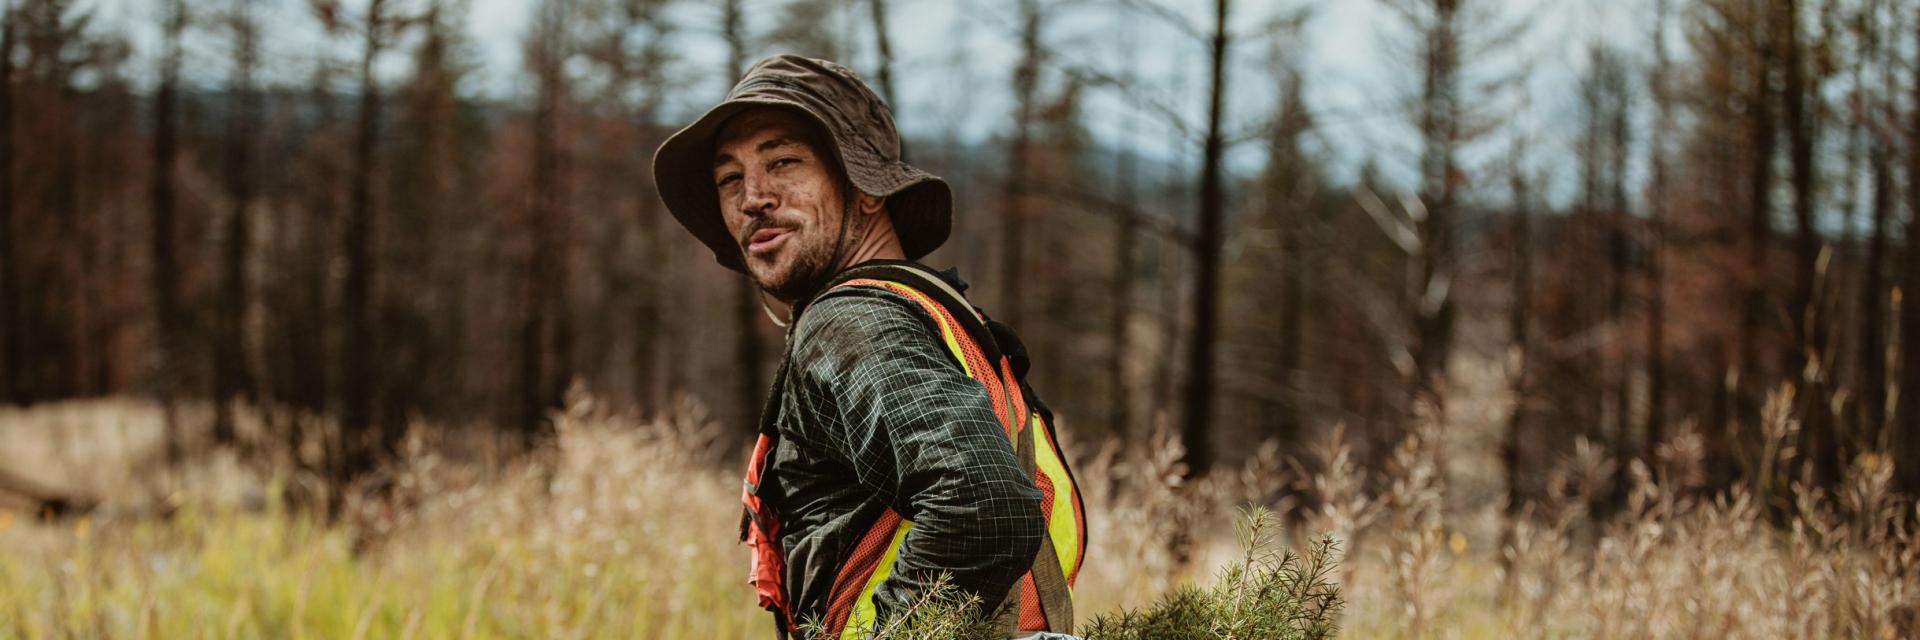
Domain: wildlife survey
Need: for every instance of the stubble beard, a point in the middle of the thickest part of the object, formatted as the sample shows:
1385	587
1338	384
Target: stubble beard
812	265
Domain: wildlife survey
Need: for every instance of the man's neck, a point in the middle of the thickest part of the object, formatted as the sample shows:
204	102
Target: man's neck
878	241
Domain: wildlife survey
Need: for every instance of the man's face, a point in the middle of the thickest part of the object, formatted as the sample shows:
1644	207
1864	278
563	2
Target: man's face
780	199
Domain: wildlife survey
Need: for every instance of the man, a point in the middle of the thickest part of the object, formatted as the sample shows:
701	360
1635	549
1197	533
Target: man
900	446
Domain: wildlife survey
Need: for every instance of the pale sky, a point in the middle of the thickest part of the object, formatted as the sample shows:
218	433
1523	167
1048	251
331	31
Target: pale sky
954	59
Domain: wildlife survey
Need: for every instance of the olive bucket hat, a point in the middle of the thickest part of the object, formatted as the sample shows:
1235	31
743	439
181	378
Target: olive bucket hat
863	136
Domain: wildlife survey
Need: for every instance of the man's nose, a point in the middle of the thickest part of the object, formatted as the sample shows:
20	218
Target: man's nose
760	195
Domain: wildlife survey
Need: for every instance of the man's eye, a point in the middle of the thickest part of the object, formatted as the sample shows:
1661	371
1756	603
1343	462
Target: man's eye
785	161
728	179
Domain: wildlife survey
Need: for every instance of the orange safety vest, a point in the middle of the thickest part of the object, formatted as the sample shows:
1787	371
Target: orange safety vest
1045	592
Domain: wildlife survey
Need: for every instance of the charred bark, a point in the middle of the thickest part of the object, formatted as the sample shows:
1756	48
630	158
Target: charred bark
1906	440
10	323
359	372
164	269
1196	429
1015	213
1656	321
231	379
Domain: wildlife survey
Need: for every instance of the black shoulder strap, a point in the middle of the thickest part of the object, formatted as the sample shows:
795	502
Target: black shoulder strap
994	337
929	283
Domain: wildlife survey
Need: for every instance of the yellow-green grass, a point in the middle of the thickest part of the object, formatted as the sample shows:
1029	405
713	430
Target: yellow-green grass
626	528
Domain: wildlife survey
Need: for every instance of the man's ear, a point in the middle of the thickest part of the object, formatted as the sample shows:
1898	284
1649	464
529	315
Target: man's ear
869	204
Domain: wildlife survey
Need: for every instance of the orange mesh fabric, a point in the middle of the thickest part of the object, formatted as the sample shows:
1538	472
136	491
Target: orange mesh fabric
767	567
1031	617
1046	494
860	565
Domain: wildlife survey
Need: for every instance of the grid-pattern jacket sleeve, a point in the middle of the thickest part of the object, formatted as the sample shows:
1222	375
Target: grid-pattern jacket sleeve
881	389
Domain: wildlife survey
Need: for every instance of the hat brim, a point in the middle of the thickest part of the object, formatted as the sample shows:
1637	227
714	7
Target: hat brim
920	204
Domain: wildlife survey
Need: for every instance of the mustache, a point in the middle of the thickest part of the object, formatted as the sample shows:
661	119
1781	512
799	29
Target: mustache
760	223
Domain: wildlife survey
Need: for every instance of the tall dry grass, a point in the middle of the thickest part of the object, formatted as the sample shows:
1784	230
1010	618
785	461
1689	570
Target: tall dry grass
625	528
1781	560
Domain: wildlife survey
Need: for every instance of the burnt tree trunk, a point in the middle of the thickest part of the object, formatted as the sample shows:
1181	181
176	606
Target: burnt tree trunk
359	372
10	325
1806	354
1197	428
1432	303
1753	308
1656	244
307	337
648	304
1520	352
1014	215
164	270
1519	328
546	334
1619	250
884	46
230	371
1291	205
1873	294
1905	440
1126	232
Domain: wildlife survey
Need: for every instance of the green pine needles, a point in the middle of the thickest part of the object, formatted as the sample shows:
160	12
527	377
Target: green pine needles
1271	592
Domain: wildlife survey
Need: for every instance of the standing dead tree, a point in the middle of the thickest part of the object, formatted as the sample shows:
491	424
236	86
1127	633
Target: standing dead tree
1520	338
1196	427
633	51
231	380
1657	213
1015	208
1605	143
10	387
1126	262
546	343
164	270
1905	439
1870	111
883	45
1808	358
1455	106
1763	141
1206	241
420	291
360	373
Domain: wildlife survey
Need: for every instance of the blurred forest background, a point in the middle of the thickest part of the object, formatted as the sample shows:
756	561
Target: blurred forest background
347	231
1547	240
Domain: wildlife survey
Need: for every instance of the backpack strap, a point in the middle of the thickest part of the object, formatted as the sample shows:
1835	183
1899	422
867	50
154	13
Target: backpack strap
933	286
1049	582
994	337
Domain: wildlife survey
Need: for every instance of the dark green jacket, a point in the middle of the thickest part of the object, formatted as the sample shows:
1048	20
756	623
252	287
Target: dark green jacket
873	412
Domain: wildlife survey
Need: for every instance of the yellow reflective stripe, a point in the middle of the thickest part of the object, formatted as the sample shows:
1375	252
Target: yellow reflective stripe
946	332
1065	532
860	621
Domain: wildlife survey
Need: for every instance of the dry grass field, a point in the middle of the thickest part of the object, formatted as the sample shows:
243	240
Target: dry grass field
625	529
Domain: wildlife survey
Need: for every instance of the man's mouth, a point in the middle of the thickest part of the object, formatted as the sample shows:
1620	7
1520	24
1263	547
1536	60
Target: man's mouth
766	240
